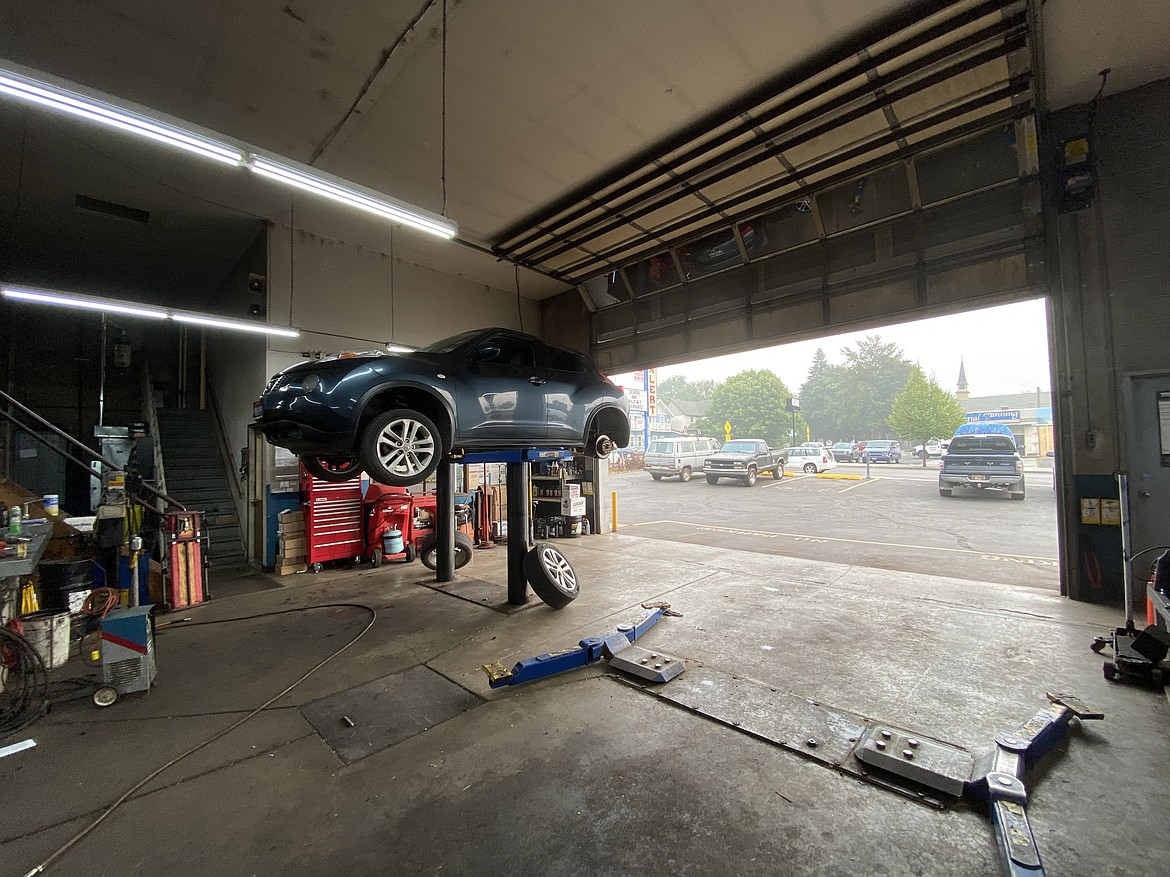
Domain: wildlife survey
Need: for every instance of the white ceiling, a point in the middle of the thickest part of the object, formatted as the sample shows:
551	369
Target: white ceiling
540	98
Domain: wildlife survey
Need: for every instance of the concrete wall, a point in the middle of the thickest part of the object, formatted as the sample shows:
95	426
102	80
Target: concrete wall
1112	314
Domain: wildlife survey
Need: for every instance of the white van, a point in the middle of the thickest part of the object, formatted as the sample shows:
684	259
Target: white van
678	456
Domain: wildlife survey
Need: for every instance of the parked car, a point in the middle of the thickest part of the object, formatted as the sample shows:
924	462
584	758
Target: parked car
744	460
398	415
982	462
811	460
720	250
680	457
933	448
846	452
881	451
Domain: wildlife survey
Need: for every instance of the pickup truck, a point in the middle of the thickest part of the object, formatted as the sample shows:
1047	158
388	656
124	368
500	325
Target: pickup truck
744	460
982	462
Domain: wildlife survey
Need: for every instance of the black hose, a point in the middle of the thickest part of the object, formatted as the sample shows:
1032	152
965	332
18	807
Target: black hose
25	696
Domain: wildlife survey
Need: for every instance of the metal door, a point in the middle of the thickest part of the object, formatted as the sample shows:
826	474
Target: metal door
1148	415
500	393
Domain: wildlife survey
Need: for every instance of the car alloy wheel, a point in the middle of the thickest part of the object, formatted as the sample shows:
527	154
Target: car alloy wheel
749	480
551	575
401	448
810	468
334	469
685	474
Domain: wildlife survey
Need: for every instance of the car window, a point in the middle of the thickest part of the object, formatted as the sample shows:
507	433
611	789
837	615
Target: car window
687	448
446	345
565	360
659	448
991	444
506	352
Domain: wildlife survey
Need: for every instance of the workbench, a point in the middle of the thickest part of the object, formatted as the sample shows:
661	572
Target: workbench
13	568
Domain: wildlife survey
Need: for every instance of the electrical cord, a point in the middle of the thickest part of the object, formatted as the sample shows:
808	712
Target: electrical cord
90	609
27	684
125	796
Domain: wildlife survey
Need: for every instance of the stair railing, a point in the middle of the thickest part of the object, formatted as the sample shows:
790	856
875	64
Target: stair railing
150	418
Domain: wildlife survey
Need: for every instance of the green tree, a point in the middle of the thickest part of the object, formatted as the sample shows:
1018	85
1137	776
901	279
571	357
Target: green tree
822	397
678	387
924	410
754	403
877	373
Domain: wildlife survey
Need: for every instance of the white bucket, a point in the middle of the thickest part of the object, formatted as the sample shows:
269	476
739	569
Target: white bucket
48	632
52	504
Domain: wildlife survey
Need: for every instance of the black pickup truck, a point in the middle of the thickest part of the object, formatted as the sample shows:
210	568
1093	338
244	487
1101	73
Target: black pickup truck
982	462
744	460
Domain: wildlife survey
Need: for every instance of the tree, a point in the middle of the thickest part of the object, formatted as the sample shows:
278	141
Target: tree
677	387
754	403
821	399
924	410
877	372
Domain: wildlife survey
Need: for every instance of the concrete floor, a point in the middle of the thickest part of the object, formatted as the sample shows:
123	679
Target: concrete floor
583	774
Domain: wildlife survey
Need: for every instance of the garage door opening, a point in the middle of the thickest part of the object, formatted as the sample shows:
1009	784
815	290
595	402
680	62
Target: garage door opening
864	421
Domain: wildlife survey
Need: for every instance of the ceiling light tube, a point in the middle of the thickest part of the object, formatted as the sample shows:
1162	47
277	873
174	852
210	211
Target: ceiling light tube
240	325
86	302
399	348
64	100
323	184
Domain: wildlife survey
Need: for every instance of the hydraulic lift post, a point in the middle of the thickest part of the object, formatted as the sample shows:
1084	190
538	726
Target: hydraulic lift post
517	479
445	522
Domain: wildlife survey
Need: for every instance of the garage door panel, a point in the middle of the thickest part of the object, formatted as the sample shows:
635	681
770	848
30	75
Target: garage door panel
875	302
984	278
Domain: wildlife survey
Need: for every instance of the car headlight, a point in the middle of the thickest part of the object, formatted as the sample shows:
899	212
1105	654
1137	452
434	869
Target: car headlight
306	384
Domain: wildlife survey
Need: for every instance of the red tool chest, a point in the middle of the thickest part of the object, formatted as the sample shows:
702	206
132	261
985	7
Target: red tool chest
333	519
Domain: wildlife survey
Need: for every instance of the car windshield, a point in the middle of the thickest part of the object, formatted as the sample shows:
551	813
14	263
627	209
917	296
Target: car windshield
660	448
739	448
446	345
987	444
878	445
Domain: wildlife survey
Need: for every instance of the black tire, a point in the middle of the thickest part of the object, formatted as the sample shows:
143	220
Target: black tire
655	476
685	474
376	558
810	468
1109	671
712	479
315	568
944	491
1019	494
778	473
333	469
749	480
428	552
550	575
410	552
401	448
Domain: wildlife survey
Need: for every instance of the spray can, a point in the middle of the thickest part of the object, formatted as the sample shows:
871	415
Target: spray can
14	521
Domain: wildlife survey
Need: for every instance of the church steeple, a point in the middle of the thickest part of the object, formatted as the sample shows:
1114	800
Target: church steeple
962	393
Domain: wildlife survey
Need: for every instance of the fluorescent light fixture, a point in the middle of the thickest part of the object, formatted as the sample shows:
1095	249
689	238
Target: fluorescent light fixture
67	101
67	97
399	348
241	325
132	309
347	194
86	302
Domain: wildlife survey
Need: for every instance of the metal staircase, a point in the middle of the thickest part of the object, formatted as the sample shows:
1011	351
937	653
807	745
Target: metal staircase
197	476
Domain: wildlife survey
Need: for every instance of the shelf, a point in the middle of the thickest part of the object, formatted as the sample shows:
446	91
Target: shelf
545	477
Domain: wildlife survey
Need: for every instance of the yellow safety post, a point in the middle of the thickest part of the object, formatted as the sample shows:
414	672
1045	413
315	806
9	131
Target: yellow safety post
613	502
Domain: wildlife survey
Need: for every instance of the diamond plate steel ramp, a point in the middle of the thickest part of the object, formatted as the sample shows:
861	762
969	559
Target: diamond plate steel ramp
796	723
371	717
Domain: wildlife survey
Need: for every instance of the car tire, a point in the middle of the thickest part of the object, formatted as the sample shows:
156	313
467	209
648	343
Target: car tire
749	480
712	479
778	473
332	469
376	558
810	468
401	448
428	552
655	476
410	552
1020	493
550	575
685	474
944	491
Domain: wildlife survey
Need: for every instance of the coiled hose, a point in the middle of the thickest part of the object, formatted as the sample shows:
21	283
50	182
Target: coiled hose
25	695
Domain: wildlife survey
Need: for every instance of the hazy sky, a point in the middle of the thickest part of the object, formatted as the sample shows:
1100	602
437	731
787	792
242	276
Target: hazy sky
1005	350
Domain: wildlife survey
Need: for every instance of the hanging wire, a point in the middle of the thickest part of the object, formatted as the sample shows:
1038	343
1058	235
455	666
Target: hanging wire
519	313
443	136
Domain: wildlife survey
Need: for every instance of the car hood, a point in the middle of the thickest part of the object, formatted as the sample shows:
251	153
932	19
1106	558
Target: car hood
739	455
383	362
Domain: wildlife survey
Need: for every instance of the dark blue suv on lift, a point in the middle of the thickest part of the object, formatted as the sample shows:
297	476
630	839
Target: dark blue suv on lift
399	415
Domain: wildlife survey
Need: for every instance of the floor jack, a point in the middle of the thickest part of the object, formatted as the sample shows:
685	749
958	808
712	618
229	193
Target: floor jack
1139	654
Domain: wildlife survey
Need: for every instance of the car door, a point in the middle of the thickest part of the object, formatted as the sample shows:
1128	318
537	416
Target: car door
564	374
500	397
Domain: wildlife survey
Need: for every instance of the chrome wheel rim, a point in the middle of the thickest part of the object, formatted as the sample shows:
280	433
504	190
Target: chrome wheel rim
405	447
558	569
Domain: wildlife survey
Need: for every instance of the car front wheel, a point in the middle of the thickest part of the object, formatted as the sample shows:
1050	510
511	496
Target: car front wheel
749	480
401	448
685	474
712	479
810	468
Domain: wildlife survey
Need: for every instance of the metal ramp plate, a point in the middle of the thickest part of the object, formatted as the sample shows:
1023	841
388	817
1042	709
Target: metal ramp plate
930	763
650	665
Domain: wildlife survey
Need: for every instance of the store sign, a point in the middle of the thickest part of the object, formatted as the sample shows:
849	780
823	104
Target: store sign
652	391
637	422
636	398
992	416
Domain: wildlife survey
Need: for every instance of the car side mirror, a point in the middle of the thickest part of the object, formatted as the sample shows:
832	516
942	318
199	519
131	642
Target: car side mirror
485	354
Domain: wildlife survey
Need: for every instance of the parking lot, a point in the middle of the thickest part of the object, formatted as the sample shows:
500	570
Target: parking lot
894	520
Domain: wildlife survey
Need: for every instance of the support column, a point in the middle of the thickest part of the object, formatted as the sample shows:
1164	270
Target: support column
517	532
445	523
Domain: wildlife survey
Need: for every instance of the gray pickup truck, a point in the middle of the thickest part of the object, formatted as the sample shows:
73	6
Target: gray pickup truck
744	460
982	462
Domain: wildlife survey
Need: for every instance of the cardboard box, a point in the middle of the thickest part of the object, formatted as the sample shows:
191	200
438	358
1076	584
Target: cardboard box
571	489
573	506
290	522
292	545
290	567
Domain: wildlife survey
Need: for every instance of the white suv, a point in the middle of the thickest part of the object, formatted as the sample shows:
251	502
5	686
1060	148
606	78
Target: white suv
810	460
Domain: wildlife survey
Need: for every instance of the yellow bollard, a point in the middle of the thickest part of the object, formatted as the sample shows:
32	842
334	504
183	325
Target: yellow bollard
613	501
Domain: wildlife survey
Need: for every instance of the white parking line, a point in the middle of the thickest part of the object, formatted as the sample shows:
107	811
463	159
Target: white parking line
859	483
787	479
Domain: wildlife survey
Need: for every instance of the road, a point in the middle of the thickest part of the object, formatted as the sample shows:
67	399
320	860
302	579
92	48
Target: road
895	520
